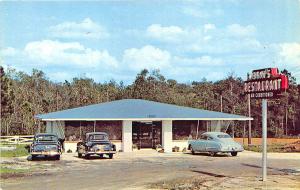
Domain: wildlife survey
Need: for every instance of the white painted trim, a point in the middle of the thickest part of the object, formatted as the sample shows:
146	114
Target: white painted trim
147	119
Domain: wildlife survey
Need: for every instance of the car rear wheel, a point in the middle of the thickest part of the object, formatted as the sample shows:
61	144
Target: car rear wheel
57	157
101	155
33	157
234	153
192	150
212	153
87	156
111	156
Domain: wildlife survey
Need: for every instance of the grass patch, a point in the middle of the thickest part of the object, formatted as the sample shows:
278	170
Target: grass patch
270	148
5	170
19	151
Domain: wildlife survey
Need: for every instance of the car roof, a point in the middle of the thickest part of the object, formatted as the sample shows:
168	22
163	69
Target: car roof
214	134
45	134
96	133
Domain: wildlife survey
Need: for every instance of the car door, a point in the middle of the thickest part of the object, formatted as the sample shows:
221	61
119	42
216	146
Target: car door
201	143
210	144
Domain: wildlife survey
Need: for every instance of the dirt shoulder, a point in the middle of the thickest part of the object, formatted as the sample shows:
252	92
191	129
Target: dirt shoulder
222	182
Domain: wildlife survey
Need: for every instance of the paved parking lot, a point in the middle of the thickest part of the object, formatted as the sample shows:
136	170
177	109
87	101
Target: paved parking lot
148	169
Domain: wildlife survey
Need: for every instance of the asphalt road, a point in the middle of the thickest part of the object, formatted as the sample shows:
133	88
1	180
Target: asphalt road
139	169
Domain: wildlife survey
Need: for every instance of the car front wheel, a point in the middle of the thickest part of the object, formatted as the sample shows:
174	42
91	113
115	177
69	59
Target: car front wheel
111	156
57	157
234	153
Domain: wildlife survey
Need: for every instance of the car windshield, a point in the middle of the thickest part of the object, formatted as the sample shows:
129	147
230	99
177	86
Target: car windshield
98	137
224	136
46	138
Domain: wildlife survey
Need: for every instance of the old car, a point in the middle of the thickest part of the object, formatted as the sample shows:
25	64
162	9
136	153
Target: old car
96	143
45	144
215	142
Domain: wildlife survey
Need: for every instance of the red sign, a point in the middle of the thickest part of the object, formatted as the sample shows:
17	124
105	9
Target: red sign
265	83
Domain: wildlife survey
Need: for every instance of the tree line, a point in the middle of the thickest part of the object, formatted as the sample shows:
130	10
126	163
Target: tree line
25	95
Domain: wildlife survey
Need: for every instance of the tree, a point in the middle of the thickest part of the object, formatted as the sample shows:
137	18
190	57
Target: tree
7	98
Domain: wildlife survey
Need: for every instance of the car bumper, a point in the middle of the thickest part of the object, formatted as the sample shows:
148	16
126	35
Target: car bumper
101	152
232	150
50	153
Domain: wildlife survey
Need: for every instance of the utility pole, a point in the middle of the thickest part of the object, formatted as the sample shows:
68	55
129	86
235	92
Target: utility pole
286	120
197	129
244	131
221	102
249	122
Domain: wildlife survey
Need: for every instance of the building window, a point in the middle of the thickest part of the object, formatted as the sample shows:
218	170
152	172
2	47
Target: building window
76	130
112	128
72	131
184	130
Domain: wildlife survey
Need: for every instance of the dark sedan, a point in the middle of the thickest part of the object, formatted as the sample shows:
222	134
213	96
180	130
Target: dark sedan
45	144
96	143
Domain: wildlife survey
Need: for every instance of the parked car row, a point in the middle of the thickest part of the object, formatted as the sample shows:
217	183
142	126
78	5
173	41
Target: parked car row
49	145
97	143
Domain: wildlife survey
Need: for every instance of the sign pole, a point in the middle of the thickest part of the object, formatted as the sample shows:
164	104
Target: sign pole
264	140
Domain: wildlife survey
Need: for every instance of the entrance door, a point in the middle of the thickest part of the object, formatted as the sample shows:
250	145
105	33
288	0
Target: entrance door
146	134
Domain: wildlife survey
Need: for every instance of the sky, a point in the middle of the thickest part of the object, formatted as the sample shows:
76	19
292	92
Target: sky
186	40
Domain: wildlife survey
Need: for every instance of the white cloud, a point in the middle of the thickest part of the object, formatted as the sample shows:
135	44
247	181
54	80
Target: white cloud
47	52
290	53
185	68
201	12
85	29
207	38
173	34
195	12
148	57
169	33
237	30
208	27
8	52
60	76
198	61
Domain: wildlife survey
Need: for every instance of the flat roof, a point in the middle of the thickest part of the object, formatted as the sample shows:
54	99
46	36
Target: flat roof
138	110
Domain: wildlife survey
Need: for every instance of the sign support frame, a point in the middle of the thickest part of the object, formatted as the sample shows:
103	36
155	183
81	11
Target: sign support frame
265	84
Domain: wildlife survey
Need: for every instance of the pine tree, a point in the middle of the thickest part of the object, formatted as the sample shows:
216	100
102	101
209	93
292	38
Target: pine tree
7	98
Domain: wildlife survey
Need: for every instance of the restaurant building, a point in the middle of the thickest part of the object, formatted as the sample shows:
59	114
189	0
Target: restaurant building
136	124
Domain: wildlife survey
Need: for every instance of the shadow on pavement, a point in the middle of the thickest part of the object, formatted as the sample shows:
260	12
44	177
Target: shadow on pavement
285	170
207	154
209	173
42	158
93	158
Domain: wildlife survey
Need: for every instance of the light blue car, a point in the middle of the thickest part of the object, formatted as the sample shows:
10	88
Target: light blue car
215	142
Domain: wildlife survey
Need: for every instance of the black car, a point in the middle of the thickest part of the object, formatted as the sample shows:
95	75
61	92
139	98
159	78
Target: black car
46	144
96	143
